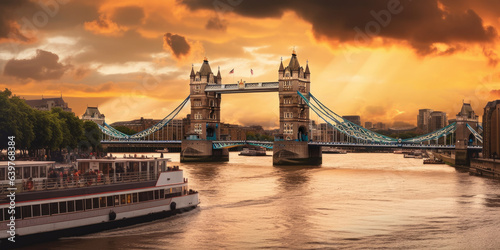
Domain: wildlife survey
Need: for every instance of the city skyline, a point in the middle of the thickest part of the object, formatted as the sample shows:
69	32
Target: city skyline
131	58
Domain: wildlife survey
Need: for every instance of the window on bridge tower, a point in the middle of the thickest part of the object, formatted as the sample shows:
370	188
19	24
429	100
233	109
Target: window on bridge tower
198	116
288	128
197	128
287	100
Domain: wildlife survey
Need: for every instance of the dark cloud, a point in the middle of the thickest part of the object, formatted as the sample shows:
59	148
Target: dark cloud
177	44
492	57
419	23
215	23
44	66
128	15
9	28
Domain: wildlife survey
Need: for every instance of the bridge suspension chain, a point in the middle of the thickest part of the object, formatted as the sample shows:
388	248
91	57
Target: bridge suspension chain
476	134
351	129
110	131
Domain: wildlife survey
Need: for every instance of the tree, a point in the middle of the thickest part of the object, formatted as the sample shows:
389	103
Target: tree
91	137
72	128
125	130
15	120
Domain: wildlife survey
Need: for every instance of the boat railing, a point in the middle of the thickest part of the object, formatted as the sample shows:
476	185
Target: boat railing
75	181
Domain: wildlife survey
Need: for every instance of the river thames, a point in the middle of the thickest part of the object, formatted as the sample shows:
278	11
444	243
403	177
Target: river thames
351	201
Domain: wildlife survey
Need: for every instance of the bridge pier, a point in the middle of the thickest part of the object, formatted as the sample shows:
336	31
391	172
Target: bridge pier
202	151
296	153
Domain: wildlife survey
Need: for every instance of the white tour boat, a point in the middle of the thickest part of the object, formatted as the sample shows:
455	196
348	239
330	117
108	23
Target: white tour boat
99	194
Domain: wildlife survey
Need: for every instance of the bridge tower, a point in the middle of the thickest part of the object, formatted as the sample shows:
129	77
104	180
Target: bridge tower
205	118
464	136
291	145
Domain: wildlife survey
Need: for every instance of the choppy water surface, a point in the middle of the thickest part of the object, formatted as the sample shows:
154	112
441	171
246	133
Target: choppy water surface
351	201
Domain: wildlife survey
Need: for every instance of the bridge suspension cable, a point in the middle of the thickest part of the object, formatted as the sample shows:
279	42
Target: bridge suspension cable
476	134
343	125
110	131
351	129
433	135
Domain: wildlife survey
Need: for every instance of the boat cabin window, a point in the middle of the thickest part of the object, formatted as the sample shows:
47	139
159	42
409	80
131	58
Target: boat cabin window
102	201
134	197
95	202
43	171
129	198
122	198
18	213
36	210
54	208
26	172
18	173
26	210
71	206
62	207
79	205
117	200
2	174
110	201
45	209
34	172
6	214
88	204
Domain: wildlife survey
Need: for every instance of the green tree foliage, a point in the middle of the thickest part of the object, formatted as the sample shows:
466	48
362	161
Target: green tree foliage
51	130
91	136
125	130
258	137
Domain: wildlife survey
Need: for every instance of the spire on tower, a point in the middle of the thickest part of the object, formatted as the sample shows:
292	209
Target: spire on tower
192	70
218	73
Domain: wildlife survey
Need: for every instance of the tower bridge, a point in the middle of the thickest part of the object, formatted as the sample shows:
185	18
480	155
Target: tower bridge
292	144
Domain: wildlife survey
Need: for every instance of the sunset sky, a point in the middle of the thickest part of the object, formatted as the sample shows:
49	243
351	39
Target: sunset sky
380	59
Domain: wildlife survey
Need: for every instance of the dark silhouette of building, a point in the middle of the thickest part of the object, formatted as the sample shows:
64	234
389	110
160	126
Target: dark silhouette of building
423	119
47	104
491	132
356	119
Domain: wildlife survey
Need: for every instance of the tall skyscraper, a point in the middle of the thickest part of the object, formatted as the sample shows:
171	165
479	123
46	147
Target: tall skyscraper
353	118
368	125
423	117
437	121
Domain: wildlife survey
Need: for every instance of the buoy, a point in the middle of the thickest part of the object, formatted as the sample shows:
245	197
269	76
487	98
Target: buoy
172	206
112	215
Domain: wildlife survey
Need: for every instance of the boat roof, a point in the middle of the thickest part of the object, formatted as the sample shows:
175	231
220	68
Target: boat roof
124	160
26	163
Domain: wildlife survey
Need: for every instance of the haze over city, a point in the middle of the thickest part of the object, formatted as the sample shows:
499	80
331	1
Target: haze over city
382	60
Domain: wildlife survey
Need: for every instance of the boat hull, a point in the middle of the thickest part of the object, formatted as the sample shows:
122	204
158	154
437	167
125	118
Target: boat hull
100	221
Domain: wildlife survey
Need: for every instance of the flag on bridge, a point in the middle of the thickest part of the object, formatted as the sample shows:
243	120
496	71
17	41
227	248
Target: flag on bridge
251	71
232	71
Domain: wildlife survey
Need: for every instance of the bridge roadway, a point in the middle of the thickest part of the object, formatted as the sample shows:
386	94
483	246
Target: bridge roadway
243	87
269	144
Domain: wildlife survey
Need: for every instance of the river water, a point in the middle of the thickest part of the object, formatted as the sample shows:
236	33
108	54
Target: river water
351	201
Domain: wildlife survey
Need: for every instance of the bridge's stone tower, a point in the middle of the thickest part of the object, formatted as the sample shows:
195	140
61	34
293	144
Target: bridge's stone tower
291	146
294	112
464	136
205	106
205	118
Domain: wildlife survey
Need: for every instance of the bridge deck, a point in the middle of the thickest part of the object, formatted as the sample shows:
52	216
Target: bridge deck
269	144
243	87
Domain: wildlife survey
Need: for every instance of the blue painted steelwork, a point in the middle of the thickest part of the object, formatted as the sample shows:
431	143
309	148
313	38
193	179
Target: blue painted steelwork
231	144
348	128
110	131
476	134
